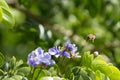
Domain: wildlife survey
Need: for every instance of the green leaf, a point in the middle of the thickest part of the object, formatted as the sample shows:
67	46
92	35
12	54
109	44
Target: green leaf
87	59
76	70
38	73
17	77
1	72
7	17
97	62
23	71
115	75
1	59
0	14
109	70
100	76
80	74
71	77
18	64
12	63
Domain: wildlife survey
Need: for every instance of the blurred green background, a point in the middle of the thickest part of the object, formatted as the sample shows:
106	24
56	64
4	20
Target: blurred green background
47	23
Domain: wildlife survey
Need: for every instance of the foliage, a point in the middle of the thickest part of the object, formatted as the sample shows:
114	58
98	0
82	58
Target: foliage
94	26
89	67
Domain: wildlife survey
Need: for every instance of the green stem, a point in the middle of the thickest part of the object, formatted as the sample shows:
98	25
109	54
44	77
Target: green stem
38	74
33	73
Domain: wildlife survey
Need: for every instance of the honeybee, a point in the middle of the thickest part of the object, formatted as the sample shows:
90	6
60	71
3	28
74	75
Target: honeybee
91	37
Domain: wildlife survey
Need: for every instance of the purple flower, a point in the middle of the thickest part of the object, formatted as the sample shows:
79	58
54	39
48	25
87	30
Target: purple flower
65	53
68	51
54	51
38	57
70	47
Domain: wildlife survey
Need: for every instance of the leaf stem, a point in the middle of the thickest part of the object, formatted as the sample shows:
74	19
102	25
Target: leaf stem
33	73
38	74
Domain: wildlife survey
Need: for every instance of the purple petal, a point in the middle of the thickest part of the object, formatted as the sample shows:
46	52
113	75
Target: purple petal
70	47
65	53
47	56
54	51
39	51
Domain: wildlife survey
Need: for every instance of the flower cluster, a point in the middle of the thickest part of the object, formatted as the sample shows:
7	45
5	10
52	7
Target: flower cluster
39	57
68	50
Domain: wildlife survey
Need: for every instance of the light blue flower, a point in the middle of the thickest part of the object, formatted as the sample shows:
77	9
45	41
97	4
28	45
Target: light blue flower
65	53
38	57
70	47
68	50
54	51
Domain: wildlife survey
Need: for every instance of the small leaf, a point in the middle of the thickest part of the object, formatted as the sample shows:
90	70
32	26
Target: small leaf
80	74
17	77
19	63
97	62
1	59
76	70
71	77
87	59
12	63
23	71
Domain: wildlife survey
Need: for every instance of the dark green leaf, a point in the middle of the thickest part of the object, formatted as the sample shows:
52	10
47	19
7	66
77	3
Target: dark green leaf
71	77
1	59
1	72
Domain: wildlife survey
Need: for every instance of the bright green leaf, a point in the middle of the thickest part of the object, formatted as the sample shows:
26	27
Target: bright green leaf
109	70
115	75
97	62
7	17
0	14
87	59
100	76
